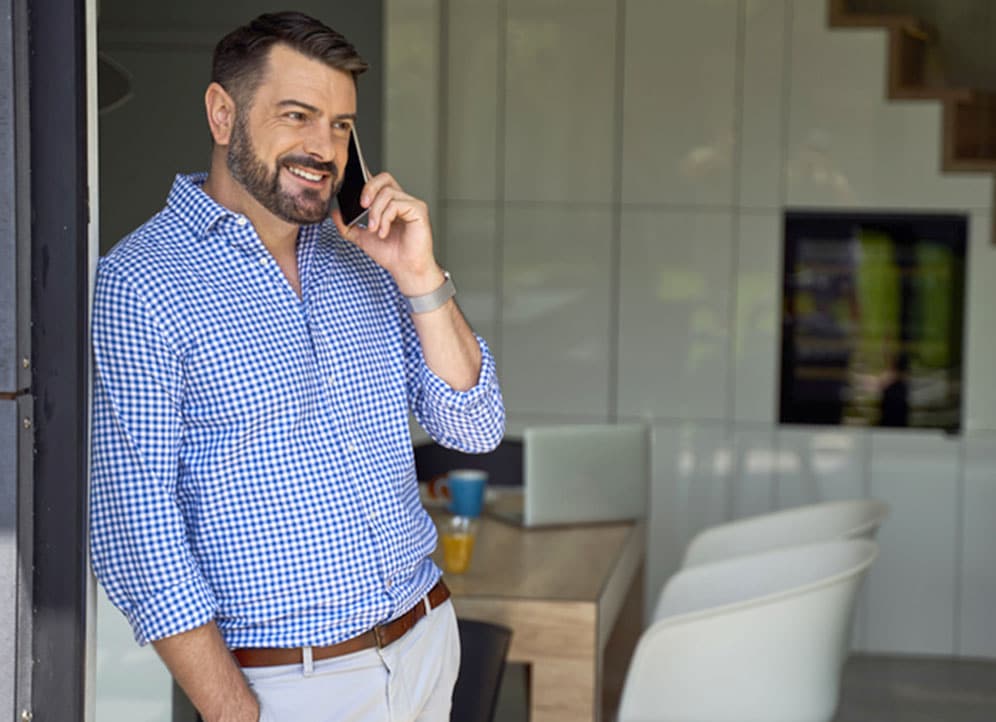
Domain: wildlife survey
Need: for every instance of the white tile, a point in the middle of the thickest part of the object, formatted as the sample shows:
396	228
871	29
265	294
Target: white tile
690	490
131	683
820	464
678	110
674	314
474	29
976	633
754	466
555	324
517	423
705	476
665	533
756	352
979	394
848	145
760	175
411	124
912	590
825	464
470	254
560	94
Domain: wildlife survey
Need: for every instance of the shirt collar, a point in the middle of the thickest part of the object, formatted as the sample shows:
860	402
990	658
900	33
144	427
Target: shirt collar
189	201
204	214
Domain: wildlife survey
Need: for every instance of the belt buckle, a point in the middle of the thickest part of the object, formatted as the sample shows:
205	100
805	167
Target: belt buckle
376	632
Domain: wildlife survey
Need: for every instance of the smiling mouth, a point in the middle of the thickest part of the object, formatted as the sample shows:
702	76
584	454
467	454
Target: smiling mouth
308	174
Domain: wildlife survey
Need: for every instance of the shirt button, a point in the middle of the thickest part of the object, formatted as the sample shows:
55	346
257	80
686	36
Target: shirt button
262	260
351	448
331	380
242	220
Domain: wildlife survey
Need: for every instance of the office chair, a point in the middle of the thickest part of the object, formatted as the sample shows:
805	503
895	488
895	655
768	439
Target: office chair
851	519
483	650
759	638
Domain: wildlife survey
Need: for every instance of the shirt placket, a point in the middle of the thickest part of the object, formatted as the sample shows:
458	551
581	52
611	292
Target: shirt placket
324	324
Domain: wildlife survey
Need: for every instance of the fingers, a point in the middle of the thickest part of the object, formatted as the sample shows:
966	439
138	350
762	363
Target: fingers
374	186
387	202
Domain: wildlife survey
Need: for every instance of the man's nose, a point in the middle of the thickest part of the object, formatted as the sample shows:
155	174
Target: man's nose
320	143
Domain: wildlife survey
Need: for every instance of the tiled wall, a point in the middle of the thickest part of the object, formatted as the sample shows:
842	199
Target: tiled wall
608	179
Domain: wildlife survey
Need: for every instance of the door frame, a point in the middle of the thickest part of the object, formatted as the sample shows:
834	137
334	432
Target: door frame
61	90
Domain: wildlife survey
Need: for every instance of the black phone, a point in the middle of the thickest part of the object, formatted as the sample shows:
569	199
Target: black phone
354	177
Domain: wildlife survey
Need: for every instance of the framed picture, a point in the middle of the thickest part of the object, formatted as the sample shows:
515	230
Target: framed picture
873	319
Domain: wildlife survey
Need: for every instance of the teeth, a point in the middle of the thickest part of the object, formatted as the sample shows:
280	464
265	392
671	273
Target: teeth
304	174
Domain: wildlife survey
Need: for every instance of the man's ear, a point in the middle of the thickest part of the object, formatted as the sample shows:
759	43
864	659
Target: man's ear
220	107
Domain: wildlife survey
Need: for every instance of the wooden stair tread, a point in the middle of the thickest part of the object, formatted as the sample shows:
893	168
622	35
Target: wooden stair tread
968	144
943	94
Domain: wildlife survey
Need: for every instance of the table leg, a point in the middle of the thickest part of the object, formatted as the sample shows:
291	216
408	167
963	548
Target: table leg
562	690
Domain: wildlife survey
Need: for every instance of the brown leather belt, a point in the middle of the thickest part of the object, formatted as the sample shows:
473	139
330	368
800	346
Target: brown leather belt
380	636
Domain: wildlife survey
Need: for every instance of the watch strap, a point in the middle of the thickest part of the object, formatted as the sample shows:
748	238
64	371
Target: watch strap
433	300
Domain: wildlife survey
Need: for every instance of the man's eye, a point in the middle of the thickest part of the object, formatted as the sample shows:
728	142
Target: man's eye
343	125
294	115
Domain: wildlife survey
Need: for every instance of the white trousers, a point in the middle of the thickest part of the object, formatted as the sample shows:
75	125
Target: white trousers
408	681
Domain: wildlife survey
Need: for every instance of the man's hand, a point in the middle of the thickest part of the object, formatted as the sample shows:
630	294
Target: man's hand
398	235
204	668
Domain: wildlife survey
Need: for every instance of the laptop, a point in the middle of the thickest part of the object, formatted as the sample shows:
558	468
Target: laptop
579	474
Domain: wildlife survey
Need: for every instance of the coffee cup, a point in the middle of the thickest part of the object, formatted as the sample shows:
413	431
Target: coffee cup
465	488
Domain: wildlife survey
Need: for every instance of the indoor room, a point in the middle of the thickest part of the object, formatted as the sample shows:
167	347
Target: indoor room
732	259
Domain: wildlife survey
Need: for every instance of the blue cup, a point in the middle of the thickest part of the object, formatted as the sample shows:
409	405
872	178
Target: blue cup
466	490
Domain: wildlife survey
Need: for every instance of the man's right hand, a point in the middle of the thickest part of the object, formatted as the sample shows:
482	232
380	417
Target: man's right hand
204	668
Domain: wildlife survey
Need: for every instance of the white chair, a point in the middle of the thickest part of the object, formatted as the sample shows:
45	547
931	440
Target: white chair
849	519
760	638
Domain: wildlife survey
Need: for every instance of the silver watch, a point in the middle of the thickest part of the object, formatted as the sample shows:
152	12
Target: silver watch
435	299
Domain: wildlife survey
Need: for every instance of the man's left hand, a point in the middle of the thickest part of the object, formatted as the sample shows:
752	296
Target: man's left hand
398	235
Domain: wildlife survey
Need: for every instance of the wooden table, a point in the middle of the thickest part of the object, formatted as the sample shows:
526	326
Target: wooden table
561	591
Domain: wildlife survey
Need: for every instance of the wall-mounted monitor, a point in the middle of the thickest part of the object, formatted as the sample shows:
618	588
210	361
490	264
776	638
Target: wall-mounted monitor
873	319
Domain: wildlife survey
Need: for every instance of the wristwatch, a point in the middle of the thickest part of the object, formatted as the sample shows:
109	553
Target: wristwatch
435	299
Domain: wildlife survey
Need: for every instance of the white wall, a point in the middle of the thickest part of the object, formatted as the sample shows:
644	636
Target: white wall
608	179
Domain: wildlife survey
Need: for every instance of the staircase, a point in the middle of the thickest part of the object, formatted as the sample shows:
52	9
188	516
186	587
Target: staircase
914	73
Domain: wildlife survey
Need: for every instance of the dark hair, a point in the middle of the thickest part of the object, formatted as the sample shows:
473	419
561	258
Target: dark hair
240	57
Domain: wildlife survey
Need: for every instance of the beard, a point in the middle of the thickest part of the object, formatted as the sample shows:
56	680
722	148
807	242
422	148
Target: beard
302	207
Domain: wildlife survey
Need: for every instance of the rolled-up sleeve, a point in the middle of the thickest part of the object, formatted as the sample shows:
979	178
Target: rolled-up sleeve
472	421
138	539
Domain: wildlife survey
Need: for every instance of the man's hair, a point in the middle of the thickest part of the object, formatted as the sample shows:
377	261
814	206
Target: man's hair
240	57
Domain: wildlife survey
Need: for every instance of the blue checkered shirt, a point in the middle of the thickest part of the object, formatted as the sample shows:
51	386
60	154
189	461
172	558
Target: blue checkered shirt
252	462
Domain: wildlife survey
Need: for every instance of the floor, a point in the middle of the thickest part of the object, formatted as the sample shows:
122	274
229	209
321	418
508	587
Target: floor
915	689
875	689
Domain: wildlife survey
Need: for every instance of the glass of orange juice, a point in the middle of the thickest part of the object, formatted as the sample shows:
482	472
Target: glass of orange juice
457	537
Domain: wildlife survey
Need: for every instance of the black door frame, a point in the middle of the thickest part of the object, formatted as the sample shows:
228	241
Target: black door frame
59	248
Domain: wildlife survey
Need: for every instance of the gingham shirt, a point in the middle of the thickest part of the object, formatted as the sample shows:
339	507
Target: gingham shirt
252	462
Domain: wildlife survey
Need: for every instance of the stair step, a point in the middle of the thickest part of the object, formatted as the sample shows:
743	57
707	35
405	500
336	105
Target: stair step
943	94
914	73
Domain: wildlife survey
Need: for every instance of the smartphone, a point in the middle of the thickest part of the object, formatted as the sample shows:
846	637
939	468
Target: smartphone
354	177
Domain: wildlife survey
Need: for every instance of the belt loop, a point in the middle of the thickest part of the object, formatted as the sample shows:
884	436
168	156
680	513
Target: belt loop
309	661
428	604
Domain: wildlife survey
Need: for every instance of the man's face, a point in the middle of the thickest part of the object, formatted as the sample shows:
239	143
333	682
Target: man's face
288	149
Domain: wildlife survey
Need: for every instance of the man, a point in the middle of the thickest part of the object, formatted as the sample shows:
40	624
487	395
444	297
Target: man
254	509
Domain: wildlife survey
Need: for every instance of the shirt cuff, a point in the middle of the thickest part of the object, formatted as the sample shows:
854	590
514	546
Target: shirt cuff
184	606
440	393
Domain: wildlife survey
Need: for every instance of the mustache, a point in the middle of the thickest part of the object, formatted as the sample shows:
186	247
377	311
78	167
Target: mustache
307	162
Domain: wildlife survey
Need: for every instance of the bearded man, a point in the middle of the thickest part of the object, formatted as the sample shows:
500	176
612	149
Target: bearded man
254	506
